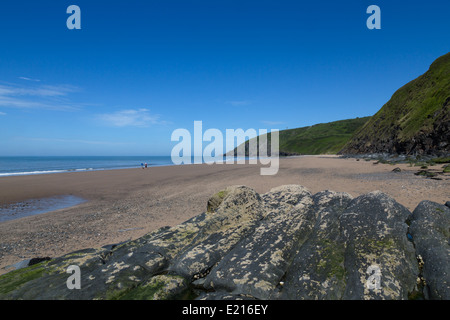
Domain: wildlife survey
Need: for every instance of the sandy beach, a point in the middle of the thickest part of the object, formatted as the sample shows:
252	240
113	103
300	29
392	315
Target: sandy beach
126	204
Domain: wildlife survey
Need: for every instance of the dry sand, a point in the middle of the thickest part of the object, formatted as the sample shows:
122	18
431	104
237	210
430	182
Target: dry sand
126	204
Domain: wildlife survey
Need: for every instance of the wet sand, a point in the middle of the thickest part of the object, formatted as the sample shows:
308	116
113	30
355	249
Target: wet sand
126	204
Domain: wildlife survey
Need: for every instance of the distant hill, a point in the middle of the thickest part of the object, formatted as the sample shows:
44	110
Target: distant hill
323	138
415	121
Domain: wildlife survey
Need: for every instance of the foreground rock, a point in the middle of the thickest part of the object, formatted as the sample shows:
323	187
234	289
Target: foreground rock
430	231
285	244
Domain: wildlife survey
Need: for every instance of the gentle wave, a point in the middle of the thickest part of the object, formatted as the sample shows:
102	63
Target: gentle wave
6	174
29	173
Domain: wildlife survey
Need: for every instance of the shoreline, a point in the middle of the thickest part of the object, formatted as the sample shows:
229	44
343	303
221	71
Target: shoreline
125	204
34	173
91	169
31	207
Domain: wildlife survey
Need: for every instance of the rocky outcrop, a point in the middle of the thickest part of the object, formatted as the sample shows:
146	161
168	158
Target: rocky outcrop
430	232
415	121
284	244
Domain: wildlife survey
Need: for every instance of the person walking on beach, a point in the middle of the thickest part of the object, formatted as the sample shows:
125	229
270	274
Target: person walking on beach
142	165
145	165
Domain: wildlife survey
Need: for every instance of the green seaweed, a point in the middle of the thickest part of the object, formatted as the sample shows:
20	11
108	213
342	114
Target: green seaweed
157	288
332	261
441	160
13	280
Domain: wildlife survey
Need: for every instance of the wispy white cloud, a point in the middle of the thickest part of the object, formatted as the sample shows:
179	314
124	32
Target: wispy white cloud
50	97
130	118
39	91
29	79
2	113
26	104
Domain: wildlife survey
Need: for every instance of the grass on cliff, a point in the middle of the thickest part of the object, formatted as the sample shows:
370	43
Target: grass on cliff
16	278
323	138
413	108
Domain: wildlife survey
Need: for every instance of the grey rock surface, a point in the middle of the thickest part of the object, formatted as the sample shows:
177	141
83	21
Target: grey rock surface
285	244
430	231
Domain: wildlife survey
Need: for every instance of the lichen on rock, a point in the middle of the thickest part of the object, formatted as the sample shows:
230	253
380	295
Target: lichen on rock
285	244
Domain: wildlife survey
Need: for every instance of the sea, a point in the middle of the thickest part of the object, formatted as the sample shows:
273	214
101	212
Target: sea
17	166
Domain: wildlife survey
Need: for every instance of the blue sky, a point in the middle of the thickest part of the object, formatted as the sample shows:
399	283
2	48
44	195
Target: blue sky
137	70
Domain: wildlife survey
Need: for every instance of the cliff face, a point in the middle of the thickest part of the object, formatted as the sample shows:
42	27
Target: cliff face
284	244
415	121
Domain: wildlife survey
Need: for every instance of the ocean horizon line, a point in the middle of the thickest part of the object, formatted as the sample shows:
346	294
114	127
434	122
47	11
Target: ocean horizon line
35	165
